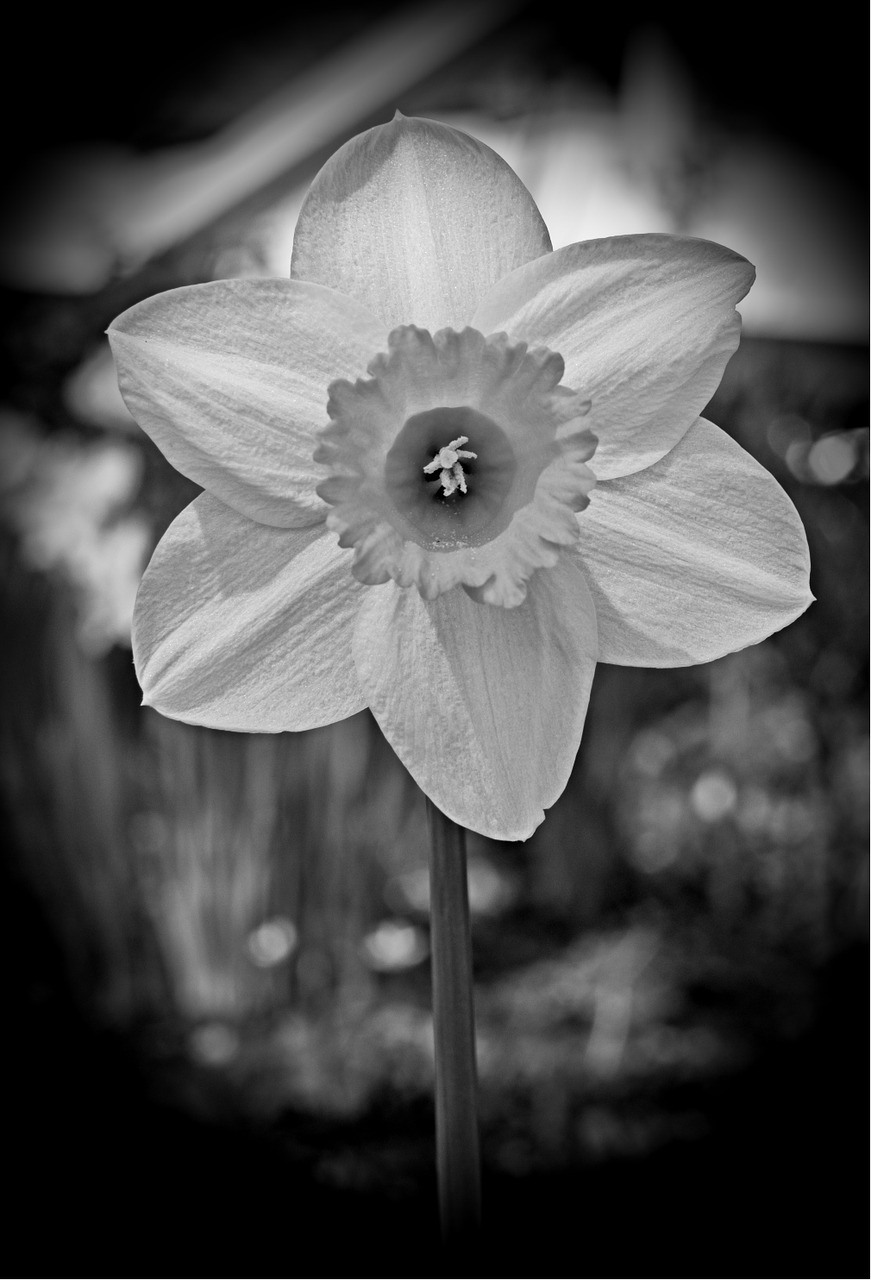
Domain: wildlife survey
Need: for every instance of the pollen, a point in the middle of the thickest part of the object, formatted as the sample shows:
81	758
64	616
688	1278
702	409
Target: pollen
449	466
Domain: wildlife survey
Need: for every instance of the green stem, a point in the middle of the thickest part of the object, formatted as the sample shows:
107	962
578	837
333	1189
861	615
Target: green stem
457	1158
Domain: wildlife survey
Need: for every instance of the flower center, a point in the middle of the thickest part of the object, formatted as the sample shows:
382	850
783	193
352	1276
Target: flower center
429	482
447	463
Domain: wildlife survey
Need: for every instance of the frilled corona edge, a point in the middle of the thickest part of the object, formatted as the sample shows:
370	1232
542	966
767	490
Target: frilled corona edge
523	476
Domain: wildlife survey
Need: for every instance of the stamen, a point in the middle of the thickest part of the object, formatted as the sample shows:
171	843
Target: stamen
447	463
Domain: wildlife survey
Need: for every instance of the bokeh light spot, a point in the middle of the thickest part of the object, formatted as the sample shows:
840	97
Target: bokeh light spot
832	458
652	752
394	945
214	1044
786	430
272	942
713	796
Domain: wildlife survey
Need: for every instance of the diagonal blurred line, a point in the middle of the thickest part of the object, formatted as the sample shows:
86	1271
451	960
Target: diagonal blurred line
191	189
139	208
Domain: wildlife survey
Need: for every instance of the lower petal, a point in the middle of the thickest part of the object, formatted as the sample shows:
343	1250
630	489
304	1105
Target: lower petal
698	556
245	626
484	707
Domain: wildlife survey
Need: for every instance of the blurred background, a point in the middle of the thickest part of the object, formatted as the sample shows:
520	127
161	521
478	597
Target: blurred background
218	1041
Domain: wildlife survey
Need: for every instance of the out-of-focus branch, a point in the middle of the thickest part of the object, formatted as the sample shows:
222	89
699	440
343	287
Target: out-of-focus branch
89	214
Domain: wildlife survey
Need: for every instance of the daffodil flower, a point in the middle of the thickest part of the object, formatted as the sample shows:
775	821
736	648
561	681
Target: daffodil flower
507	442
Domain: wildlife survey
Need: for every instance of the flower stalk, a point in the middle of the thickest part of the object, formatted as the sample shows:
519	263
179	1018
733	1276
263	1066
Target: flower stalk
457	1148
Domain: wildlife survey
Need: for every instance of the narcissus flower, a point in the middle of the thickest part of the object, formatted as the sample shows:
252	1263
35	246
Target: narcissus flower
506	441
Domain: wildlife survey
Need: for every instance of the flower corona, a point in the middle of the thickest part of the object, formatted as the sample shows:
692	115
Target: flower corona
530	472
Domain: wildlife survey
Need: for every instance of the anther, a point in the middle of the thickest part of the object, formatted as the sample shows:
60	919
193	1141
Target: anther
447	463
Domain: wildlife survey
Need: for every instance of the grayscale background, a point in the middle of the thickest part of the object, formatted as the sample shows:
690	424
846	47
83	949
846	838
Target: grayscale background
218	1045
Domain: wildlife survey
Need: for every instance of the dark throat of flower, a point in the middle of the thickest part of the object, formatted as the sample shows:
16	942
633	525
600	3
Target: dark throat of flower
448	473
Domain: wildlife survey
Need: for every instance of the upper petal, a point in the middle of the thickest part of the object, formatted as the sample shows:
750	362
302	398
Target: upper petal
417	221
242	626
698	556
484	707
230	381
645	325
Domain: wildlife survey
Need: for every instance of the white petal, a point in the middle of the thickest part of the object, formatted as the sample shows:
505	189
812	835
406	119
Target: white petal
484	706
698	556
645	324
230	381
417	221
247	627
